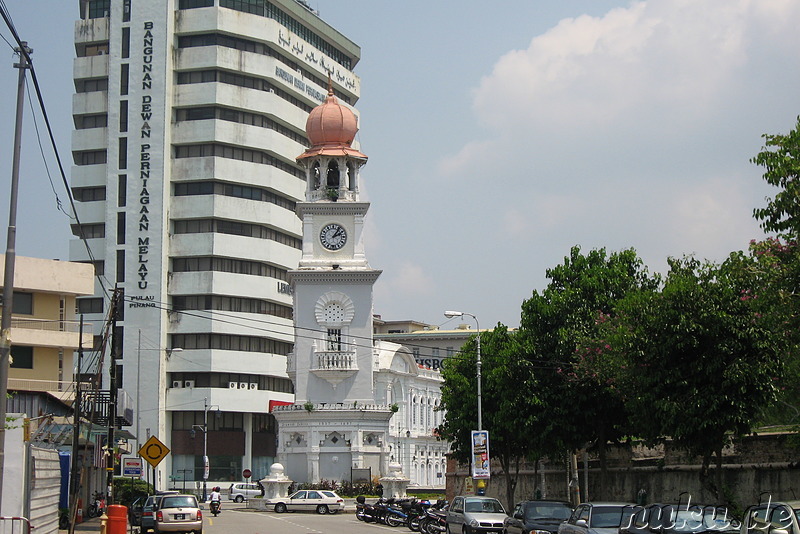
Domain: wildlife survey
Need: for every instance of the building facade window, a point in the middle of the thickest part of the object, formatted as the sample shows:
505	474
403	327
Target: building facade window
211	187
99	9
84	122
89	231
233	304
22	357
201	226
121	228
231	342
90	157
228	265
242	154
89	194
334	339
23	303
239	117
120	266
224	381
89	86
89	305
193	4
240	80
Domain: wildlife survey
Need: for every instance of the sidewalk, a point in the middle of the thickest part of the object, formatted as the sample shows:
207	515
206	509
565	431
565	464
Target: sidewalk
92	525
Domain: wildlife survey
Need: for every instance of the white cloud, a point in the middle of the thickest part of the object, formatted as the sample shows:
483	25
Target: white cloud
654	59
406	280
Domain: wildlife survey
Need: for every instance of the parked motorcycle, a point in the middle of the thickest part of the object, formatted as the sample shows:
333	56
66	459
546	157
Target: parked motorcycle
390	513
365	512
435	520
98	506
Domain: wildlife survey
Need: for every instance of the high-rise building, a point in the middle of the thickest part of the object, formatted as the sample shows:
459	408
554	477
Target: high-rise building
189	115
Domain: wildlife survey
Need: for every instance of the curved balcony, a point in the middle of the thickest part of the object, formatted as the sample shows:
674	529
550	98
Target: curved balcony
334	366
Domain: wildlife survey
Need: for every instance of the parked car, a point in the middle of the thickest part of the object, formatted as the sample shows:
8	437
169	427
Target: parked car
598	518
147	517
320	501
772	518
242	491
680	519
179	513
537	517
473	515
135	511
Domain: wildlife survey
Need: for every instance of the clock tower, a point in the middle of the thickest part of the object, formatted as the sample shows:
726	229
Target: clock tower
332	360
336	422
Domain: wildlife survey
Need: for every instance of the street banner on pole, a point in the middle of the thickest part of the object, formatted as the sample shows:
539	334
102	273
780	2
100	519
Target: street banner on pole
480	454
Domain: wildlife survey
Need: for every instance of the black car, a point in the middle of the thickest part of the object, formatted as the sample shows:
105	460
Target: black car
537	517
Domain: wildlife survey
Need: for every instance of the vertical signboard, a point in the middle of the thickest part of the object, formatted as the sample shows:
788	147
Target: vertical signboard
480	454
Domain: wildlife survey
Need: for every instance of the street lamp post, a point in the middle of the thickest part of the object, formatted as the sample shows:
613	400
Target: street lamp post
204	429
451	314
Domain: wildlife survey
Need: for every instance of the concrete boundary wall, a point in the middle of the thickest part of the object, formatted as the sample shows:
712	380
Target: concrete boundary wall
752	465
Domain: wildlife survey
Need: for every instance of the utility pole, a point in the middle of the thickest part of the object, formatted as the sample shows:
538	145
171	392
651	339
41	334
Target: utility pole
112	393
11	243
75	472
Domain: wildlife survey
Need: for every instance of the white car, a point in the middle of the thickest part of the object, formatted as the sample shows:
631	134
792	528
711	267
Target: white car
320	501
242	491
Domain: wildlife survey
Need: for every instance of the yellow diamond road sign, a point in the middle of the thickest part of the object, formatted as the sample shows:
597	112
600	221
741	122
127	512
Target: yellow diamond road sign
153	451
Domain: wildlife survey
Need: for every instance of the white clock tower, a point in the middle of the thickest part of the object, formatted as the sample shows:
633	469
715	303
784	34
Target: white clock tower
335	424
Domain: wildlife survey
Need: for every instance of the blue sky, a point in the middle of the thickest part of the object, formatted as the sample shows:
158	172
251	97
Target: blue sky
502	134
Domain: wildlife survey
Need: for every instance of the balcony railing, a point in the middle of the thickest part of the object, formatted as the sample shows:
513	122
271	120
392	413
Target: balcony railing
334	365
95	406
25	384
335	360
50	325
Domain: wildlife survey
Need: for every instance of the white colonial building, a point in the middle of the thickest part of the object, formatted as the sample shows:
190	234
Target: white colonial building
359	404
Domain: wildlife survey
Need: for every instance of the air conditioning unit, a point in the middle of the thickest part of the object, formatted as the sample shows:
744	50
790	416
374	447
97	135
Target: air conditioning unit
253	385
243	385
177	384
233	385
188	383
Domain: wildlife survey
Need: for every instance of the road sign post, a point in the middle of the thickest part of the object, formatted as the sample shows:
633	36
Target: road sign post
153	451
132	467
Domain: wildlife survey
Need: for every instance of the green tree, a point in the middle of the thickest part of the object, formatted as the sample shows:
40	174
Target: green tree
777	260
697	361
577	409
504	395
780	157
127	490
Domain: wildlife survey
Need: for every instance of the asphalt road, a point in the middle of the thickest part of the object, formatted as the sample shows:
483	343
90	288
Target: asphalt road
242	522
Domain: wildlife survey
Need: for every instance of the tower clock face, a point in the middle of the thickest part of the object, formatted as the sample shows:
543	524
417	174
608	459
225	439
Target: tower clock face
333	236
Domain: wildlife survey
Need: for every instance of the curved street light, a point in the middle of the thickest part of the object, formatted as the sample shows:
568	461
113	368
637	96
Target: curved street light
450	314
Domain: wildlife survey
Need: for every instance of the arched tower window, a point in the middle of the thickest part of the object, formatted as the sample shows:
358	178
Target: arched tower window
333	174
316	174
352	172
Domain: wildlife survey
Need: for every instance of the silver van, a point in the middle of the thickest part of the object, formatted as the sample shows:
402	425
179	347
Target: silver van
242	491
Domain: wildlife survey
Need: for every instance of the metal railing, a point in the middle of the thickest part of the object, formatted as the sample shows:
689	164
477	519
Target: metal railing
29	384
50	325
14	525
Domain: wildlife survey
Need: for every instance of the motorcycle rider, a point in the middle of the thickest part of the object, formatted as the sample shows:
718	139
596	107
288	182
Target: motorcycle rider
216	497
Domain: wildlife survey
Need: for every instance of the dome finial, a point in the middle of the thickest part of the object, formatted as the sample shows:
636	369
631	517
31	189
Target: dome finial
330	84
